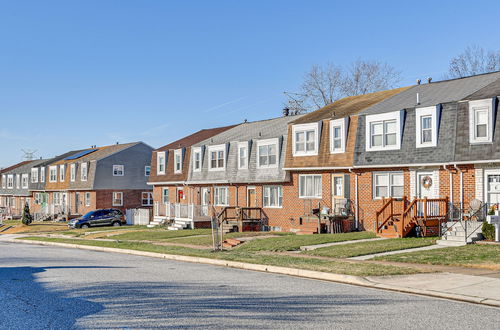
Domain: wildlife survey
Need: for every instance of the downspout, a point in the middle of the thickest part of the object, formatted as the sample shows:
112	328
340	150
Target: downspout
451	183
356	209
461	186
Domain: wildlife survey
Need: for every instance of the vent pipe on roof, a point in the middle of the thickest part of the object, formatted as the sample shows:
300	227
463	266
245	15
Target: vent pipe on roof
418	98
286	112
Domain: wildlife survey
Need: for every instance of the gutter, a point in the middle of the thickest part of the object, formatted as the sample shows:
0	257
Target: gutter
461	185
356	213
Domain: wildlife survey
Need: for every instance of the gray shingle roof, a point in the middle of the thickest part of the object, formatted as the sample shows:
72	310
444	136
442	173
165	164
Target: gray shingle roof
434	93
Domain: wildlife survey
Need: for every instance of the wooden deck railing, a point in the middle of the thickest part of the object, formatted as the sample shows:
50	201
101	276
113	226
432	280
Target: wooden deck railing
423	209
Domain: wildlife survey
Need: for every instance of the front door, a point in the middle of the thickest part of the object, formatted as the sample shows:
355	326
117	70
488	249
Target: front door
493	188
180	195
205	200
425	189
64	202
338	195
77	203
251	197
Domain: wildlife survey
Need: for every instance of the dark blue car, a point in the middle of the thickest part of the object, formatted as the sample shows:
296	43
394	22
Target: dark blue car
103	217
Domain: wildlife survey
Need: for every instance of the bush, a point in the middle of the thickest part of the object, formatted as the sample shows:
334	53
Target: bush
488	231
27	218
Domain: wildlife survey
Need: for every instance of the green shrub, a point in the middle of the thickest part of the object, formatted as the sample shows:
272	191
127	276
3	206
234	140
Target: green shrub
488	231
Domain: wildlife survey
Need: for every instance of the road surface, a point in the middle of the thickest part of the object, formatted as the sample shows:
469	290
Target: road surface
60	288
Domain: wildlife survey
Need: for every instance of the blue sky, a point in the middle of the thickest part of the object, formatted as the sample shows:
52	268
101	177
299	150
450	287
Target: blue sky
79	73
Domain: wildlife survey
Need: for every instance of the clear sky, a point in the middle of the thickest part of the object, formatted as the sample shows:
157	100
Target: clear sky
78	73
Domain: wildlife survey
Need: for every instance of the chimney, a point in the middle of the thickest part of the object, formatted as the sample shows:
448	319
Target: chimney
419	81
286	112
429	80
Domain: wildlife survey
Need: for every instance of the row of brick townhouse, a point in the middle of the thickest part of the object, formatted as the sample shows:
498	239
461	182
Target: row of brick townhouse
78	181
386	161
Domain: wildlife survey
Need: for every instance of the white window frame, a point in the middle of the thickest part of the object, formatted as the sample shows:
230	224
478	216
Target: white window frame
25	181
217	149
87	198
53	170
178	161
267	143
118	170
149	198
197	152
62	173
397	116
486	105
147	170
303	178
84	172
34	175
434	112
218	197
42	174
10	181
161	161
18	181
72	172
115	198
343	125
4	181
243	164
390	185
267	192
304	128
163	190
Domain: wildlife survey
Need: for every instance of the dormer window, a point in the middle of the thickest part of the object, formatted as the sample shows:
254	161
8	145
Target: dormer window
42	174
83	172
160	162
118	170
242	155
267	153
427	126
34	175
53	174
72	174
217	157
481	115
383	131
305	139
338	135
178	161
196	159
62	173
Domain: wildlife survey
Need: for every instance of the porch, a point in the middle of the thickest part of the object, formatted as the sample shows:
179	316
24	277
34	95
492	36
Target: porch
189	214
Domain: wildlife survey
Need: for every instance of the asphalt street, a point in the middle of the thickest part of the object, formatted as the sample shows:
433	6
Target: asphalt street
59	288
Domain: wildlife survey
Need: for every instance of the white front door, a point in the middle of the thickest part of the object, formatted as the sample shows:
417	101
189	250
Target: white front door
205	200
425	185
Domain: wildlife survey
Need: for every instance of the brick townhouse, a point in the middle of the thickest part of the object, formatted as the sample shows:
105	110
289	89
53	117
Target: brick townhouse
169	172
431	148
14	192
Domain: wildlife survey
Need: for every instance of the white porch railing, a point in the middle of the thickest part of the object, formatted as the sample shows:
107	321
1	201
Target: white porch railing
181	211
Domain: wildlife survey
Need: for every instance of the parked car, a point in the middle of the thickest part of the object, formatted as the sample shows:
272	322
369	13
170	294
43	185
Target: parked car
103	217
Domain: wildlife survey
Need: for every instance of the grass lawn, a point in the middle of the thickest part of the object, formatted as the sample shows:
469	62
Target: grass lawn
364	248
83	232
160	235
207	240
339	267
294	242
36	227
472	255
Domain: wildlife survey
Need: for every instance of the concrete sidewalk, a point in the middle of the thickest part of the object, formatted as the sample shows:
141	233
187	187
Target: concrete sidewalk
319	246
467	288
423	248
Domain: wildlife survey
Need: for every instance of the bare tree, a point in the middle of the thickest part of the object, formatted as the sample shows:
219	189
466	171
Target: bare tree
323	85
473	60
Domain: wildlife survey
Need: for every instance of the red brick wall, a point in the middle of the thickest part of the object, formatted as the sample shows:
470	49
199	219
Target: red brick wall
131	199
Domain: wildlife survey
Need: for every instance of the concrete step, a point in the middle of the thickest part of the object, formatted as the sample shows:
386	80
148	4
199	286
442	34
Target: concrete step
450	243
172	228
454	238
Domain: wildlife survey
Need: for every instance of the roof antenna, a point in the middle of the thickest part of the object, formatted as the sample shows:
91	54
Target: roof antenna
29	154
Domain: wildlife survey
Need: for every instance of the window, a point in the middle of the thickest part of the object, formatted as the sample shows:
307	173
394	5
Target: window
310	186
217	156
221	196
197	159
178	161
10	181
53	174
72	170
34	175
118	170
87	199
56	198
272	196
267	153
305	139
62	173
164	195
18	181
37	199
4	181
388	185
83	172
160	162
481	121
383	131
338	135
42	174
147	198
24	181
117	198
242	155
147	170
426	123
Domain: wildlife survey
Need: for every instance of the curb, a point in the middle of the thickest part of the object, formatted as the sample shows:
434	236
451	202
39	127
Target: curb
310	274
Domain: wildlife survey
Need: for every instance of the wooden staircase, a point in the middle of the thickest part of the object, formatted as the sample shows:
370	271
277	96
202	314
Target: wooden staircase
239	219
398	217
